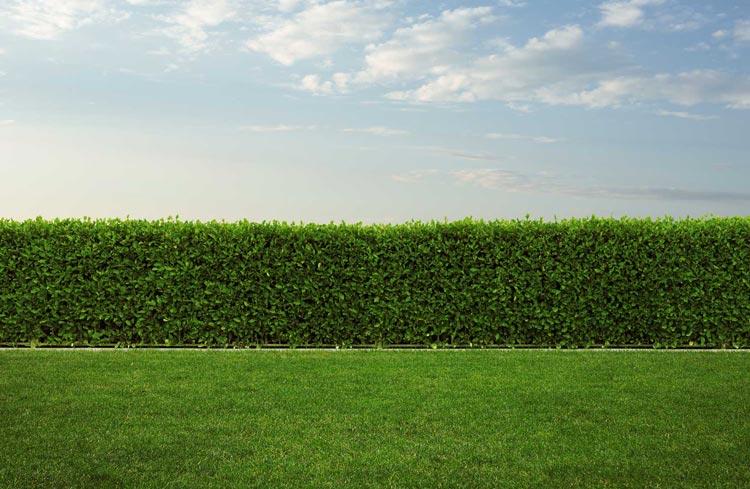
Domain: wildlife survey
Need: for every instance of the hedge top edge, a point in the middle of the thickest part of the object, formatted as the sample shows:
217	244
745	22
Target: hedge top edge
528	220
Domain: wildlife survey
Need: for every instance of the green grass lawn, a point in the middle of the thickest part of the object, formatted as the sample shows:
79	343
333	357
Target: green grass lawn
374	419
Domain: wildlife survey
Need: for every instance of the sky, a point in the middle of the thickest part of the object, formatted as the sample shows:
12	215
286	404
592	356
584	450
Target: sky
374	110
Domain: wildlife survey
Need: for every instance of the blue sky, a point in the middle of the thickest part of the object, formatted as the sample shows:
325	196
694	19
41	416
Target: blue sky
374	110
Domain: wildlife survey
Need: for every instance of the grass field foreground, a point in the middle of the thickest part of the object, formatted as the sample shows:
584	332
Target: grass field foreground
374	419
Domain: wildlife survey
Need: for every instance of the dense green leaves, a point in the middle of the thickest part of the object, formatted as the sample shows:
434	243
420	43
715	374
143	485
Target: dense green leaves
571	283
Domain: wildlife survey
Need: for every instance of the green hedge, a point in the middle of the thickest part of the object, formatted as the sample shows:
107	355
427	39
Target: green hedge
572	283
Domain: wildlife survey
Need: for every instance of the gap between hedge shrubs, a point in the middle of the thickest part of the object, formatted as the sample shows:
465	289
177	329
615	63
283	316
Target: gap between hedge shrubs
572	283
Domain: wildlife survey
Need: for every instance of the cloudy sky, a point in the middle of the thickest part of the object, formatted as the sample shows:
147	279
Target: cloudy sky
374	110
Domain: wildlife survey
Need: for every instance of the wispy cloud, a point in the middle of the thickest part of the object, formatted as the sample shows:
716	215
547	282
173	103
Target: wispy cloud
414	175
657	193
7	122
471	156
492	178
48	19
276	128
461	154
522	137
377	131
541	182
161	51
686	115
699	47
742	31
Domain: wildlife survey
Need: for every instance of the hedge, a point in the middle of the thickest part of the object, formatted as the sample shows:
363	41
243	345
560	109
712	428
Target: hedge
578	282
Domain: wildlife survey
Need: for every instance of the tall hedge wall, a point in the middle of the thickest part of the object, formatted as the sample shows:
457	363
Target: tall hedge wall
572	283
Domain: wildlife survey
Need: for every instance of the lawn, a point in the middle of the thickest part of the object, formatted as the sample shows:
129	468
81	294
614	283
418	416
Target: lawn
374	419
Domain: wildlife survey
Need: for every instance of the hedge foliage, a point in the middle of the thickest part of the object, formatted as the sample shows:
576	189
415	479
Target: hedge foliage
577	282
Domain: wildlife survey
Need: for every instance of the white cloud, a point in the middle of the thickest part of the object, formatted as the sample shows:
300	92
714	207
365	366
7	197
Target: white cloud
559	68
720	34
607	93
672	16
685	115
522	137
624	13
276	128
341	80
314	84
377	131
191	24
513	74
288	5
7	122
686	88
48	19
742	31
560	39
522	108
320	30
429	46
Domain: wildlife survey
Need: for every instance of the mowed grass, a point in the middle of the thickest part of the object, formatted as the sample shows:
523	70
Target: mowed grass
374	419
